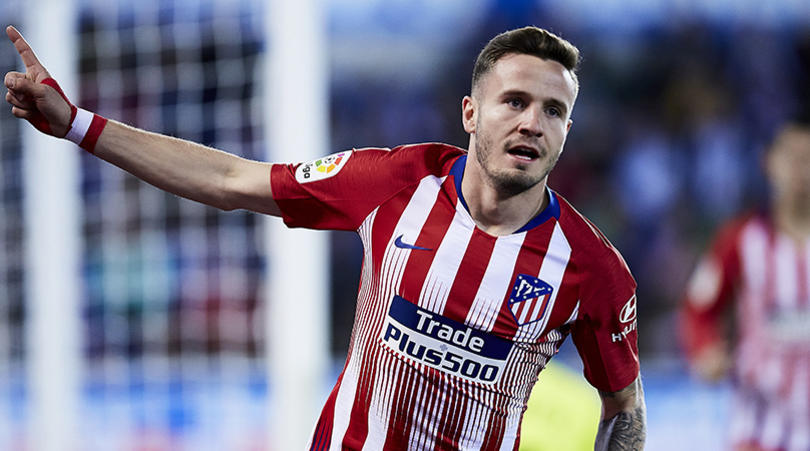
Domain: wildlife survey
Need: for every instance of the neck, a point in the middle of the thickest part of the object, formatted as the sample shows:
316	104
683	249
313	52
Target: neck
793	218
497	212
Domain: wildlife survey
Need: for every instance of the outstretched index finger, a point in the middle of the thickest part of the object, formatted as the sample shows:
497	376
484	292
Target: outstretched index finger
29	58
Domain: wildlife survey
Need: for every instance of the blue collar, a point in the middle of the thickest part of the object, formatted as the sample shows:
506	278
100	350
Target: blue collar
551	210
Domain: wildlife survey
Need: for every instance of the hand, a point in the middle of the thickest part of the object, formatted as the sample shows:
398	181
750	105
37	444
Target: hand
713	362
40	104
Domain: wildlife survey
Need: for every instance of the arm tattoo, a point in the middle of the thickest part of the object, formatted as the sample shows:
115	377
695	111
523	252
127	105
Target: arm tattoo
627	429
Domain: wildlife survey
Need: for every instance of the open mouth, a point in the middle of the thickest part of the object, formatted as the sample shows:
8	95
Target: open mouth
524	153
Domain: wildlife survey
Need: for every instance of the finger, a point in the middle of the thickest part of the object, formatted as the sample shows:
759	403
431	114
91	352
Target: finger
23	87
12	100
29	58
8	81
20	103
21	113
20	97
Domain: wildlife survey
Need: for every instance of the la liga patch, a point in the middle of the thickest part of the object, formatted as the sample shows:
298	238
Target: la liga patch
322	168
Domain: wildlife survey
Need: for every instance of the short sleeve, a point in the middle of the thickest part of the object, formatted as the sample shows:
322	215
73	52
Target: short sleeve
339	191
605	331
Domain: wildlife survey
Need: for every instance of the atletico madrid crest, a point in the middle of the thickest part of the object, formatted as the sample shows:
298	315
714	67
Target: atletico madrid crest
529	299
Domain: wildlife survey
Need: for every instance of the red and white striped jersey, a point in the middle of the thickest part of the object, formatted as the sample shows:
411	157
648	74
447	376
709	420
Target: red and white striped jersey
765	275
453	325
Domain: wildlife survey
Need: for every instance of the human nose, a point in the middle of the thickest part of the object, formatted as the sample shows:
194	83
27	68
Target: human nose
531	123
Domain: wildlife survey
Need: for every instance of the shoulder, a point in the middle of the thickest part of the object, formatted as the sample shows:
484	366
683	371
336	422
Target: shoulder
587	241
338	191
380	167
423	158
733	228
403	164
730	234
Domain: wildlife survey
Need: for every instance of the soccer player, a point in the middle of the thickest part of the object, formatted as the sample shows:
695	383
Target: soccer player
474	271
747	306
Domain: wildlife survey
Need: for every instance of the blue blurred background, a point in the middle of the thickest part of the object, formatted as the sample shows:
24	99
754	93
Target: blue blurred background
677	101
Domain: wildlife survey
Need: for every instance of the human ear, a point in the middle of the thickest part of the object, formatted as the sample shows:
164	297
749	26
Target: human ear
469	113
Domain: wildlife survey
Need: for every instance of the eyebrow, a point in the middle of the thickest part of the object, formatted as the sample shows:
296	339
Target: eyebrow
546	101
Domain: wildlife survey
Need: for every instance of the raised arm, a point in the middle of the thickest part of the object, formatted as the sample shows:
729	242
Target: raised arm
181	167
623	423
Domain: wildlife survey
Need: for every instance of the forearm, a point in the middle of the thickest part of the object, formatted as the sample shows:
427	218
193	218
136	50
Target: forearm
625	431
181	167
627	428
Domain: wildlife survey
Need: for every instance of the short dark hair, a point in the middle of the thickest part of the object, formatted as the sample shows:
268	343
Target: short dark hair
798	122
527	40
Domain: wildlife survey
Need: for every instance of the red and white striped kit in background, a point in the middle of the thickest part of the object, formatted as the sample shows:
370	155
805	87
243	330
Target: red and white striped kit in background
453	325
767	275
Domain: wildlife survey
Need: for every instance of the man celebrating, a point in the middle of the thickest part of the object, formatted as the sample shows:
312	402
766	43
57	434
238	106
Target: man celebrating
474	270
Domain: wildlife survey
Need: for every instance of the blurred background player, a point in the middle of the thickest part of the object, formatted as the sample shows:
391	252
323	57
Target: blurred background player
747	307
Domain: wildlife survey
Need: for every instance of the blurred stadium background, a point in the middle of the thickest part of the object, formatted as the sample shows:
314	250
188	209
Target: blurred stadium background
677	101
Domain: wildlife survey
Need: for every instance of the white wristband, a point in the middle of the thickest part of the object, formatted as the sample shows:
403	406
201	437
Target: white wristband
81	123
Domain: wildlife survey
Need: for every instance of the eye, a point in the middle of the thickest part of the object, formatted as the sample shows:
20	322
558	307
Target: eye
553	111
516	102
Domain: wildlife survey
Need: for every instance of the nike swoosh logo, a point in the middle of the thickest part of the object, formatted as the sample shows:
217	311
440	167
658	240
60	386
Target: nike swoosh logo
399	243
